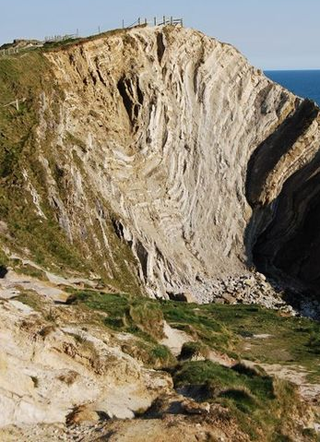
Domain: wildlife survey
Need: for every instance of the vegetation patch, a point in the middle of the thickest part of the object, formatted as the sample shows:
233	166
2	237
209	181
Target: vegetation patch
194	319
231	329
220	378
194	350
31	299
266	408
23	80
75	42
260	403
287	340
29	270
33	217
150	353
137	315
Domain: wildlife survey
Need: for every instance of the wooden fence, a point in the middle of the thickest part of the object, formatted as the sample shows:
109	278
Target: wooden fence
53	39
9	51
57	38
155	22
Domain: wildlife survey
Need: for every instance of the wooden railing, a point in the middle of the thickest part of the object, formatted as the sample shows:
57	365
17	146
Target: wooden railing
57	38
155	22
9	51
52	39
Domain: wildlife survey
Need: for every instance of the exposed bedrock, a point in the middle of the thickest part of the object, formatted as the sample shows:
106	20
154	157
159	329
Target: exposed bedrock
207	166
283	234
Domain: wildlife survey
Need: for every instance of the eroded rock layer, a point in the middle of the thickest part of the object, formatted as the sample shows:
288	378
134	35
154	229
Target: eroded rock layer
170	120
191	157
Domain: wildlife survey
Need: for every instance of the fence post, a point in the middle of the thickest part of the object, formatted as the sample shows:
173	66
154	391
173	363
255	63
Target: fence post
171	20
122	24
155	21
139	21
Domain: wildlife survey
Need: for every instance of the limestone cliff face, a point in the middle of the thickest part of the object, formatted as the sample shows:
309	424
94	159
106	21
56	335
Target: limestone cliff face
192	150
154	161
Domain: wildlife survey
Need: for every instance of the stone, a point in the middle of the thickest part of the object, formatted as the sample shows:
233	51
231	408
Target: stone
182	297
229	299
83	414
260	276
48	376
192	407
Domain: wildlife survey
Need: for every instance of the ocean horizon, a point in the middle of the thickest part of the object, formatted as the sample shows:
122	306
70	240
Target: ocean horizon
304	83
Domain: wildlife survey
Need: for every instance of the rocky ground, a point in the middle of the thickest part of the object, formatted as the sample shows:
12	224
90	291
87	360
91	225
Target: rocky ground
74	381
206	425
255	288
252	288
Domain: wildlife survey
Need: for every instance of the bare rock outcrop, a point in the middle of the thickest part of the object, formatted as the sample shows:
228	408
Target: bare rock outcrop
67	373
192	148
170	164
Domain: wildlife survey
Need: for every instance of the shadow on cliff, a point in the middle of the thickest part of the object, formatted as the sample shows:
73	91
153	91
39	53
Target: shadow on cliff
282	238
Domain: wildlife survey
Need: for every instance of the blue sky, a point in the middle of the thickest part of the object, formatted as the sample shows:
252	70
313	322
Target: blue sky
273	34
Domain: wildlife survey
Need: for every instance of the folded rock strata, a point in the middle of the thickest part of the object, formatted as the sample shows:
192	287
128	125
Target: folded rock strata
203	166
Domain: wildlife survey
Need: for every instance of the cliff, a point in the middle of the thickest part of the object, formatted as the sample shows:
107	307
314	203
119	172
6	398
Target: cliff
167	146
171	121
158	162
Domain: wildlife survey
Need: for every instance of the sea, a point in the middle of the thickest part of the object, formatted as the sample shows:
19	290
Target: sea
305	84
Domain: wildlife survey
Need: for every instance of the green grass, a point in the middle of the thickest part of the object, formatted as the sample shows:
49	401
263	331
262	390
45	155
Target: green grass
150	353
137	315
292	340
194	349
31	299
261	404
226	328
264	407
220	378
74	42
194	319
20	78
26	77
27	269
